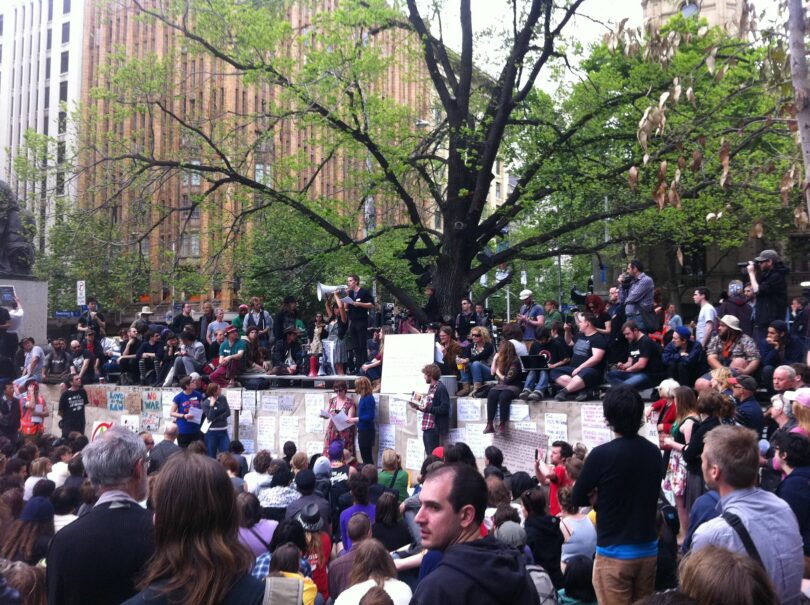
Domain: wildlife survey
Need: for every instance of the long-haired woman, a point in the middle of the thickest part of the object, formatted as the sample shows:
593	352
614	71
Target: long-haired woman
198	558
28	537
506	367
686	420
373	566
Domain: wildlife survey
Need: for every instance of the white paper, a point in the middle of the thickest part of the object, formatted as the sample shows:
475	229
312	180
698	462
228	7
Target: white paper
313	425
650	432
132	422
347	300
397	411
286	403
468	409
387	434
556	426
592	416
438	356
457	435
405	356
167	411
518	412
245	418
265	432
315	401
150	421
314	447
526	425
269	403
234	397
249	400
419	418
341	421
288	430
592	437
167	396
250	445
477	440
414	454
196	415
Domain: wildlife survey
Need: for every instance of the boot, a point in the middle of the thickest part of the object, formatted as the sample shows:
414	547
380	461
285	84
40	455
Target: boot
464	390
476	387
313	366
489	428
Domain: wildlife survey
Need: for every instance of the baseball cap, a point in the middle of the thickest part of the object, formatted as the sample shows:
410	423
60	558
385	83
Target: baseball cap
230	329
767	255
37	509
746	382
803	396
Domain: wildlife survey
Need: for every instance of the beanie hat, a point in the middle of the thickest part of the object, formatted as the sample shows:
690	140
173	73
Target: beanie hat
38	510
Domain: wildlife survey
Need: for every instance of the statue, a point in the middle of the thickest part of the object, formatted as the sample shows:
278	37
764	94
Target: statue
17	228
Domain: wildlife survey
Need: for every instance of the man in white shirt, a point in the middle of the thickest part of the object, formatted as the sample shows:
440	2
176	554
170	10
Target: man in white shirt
707	318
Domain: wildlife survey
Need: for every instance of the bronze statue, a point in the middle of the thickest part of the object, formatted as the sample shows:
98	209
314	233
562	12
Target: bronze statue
17	228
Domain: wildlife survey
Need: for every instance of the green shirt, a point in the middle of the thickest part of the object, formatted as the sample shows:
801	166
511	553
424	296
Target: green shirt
401	483
226	348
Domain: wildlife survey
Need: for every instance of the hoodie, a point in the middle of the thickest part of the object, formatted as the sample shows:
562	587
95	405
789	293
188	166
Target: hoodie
738	307
795	490
484	572
544	537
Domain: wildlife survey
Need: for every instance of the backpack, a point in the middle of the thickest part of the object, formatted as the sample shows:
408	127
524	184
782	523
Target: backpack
280	590
543	586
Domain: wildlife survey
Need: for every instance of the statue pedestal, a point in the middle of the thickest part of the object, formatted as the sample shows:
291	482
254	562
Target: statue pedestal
34	297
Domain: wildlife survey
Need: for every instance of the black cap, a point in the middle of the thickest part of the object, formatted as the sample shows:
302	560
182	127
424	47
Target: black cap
305	480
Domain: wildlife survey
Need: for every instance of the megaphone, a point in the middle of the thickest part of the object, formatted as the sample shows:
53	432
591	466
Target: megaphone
325	291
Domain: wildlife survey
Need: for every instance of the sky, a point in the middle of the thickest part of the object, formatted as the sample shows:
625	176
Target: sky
595	17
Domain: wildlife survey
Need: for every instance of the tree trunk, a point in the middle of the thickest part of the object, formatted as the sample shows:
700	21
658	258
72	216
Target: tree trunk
798	71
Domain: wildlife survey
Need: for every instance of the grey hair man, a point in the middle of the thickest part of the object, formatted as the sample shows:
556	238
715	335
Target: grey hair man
117	535
161	452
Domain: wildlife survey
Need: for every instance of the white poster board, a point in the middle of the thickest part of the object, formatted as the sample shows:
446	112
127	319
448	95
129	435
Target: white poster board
405	356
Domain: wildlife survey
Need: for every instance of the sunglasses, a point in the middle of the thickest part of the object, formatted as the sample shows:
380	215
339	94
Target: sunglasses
475	335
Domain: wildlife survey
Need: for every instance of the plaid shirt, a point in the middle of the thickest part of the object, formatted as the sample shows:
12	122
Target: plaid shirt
261	568
428	419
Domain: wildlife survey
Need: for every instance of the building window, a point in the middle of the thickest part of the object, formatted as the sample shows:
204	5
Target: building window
64	61
48	39
63	89
1	25
47	101
190	245
497	190
66	32
192	177
60	183
65	7
264	174
48	68
62	122
60	152
50	10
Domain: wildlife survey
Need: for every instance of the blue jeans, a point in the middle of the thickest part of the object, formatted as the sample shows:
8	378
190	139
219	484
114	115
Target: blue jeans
537	380
480	371
216	442
637	380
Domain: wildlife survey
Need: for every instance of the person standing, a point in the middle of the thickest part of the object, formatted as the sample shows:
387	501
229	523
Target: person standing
33	409
768	277
216	410
15	327
92	319
637	295
435	409
530	316
117	535
183	402
623	478
707	318
184	319
72	404
341	402
362	301
260	318
752	520
9	413
366	409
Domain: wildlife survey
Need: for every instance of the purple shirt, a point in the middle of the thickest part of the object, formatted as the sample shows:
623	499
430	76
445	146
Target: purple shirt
250	536
369	509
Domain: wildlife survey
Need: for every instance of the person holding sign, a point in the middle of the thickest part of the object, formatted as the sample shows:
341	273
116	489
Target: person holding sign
187	412
435	407
341	409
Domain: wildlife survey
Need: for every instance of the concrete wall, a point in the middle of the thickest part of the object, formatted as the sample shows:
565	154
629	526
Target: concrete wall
34	297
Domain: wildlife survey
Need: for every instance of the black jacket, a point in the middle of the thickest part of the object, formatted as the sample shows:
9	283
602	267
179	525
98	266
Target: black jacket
544	538
9	417
484	572
771	301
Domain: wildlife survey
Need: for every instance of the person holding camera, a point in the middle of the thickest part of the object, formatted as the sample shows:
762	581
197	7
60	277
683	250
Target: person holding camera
768	276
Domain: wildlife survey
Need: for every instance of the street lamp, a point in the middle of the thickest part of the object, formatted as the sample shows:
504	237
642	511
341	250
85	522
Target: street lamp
690	8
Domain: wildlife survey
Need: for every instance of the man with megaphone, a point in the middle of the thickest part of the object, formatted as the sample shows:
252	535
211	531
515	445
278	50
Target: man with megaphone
361	301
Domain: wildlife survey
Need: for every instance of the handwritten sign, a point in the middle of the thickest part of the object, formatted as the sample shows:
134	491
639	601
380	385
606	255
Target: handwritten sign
132	422
387	434
288	430
556	426
477	440
150	421
457	436
397	412
468	409
269	403
151	401
518	449
266	432
115	401
518	412
249	400
97	396
167	396
132	402
414	454
234	398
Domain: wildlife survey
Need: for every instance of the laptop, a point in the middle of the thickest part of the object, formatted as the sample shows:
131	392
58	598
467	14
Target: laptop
534	362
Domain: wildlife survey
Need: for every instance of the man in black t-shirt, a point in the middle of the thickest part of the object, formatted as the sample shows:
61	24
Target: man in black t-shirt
587	366
71	407
644	368
362	301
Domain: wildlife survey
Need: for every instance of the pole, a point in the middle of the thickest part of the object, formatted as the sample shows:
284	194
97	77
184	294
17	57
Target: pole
508	305
236	425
